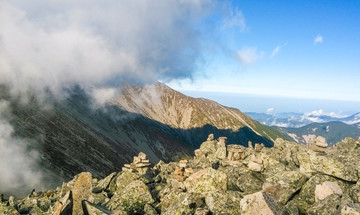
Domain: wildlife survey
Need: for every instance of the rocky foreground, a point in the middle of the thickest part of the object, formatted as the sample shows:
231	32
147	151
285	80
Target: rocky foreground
221	179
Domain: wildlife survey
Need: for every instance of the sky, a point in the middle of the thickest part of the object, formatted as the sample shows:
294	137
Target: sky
272	49
285	49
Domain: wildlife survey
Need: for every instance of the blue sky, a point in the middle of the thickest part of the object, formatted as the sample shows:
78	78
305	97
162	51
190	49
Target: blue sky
262	49
290	49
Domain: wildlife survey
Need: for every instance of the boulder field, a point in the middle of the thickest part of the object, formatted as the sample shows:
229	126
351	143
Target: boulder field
288	178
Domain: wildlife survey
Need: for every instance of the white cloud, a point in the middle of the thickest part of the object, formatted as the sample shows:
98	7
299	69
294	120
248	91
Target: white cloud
270	110
235	19
47	45
275	51
18	174
318	39
101	96
320	112
249	56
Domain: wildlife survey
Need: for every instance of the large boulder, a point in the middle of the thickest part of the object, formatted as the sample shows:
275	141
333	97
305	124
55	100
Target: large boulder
330	205
284	184
184	203
104	183
259	203
306	196
82	191
206	180
209	146
132	198
224	202
335	167
92	209
326	189
351	209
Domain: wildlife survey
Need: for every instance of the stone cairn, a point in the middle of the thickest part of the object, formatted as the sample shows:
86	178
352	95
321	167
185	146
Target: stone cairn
183	170
215	150
235	153
318	144
140	164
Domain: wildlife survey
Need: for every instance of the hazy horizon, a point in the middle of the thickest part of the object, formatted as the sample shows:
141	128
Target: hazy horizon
277	104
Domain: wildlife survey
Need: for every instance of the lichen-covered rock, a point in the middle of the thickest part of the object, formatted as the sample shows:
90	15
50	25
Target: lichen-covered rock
284	184
305	164
131	198
259	203
307	192
330	205
332	166
185	203
206	180
208	147
220	153
104	183
250	182
149	210
256	164
351	209
92	209
225	202
355	192
82	191
124	179
8	210
289	179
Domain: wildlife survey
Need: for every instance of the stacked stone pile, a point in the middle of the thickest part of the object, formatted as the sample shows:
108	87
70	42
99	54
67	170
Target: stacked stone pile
139	164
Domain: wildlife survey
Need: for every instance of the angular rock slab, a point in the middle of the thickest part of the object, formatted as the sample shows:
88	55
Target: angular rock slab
334	167
326	189
82	191
92	209
351	209
206	180
284	184
131	198
259	203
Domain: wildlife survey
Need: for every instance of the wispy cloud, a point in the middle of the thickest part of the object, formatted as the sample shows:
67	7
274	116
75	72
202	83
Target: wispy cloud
235	19
249	56
277	49
318	39
270	110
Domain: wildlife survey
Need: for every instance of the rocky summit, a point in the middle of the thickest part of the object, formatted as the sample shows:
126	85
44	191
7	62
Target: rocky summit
288	178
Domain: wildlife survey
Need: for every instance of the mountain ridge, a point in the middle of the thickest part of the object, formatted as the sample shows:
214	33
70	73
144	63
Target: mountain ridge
72	136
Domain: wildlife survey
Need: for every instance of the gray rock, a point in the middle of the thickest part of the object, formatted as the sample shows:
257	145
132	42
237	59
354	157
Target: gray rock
92	209
82	191
259	203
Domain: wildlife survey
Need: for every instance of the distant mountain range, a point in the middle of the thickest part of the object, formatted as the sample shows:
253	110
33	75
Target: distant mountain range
72	136
296	120
333	132
302	127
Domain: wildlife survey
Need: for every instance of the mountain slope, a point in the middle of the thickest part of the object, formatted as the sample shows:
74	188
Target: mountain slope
72	136
333	132
163	104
